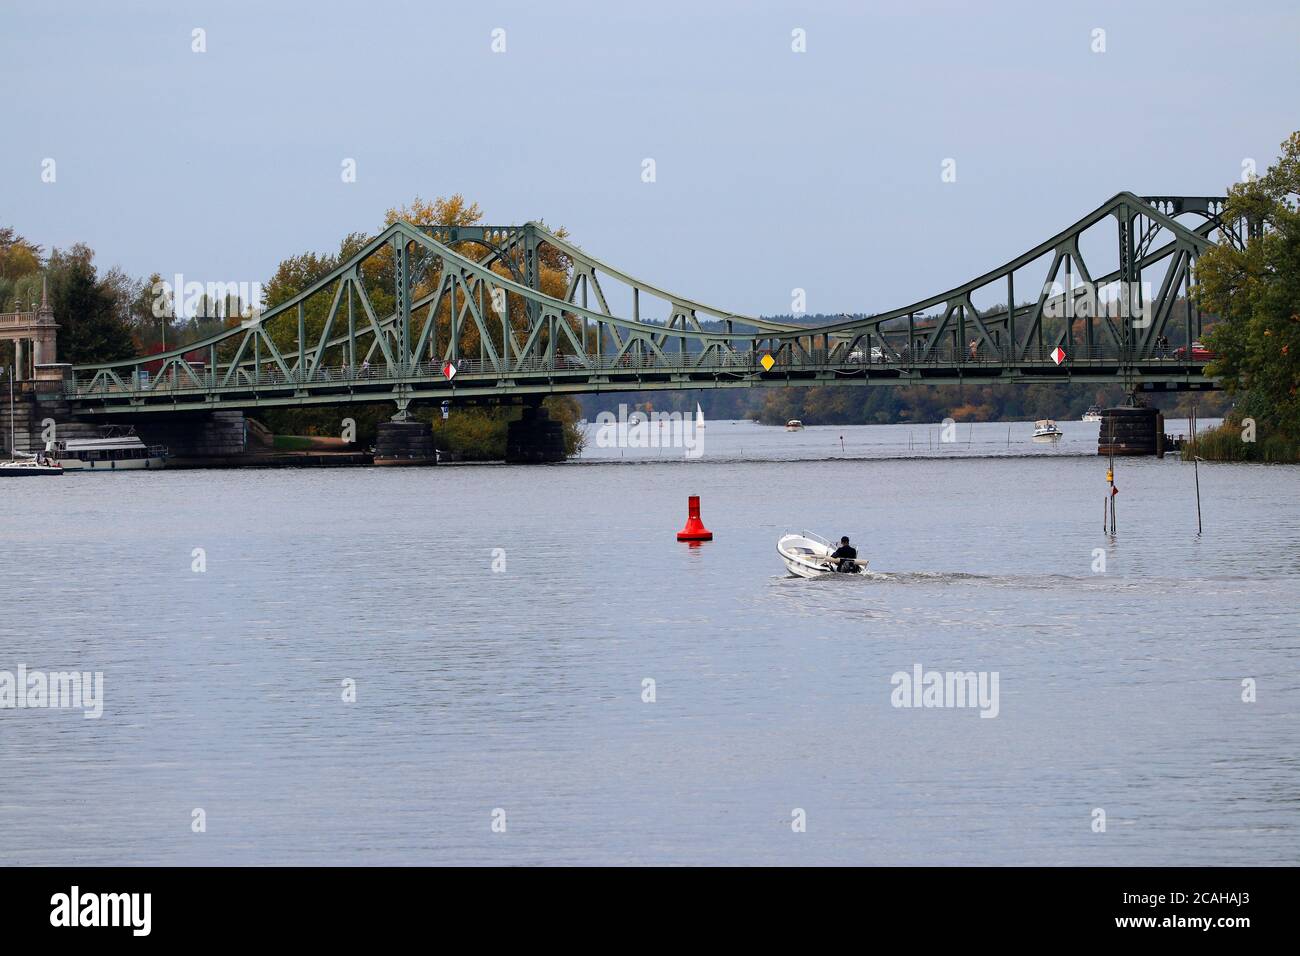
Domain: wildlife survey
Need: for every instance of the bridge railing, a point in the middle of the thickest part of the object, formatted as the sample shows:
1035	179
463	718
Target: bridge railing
197	379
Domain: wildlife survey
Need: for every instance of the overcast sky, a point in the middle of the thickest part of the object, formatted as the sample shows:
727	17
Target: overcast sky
774	169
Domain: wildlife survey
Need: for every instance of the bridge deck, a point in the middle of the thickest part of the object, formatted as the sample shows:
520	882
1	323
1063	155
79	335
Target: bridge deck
577	374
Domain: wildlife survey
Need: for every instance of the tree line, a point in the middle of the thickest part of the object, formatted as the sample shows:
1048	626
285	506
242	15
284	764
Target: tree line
1256	292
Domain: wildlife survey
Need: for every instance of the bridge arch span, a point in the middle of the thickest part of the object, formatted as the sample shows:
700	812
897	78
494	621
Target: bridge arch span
409	318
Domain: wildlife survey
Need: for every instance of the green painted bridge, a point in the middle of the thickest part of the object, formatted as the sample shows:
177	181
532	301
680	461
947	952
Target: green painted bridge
424	313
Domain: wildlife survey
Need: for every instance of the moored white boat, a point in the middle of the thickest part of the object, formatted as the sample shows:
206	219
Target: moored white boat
1045	430
27	467
808	555
113	452
1093	414
23	465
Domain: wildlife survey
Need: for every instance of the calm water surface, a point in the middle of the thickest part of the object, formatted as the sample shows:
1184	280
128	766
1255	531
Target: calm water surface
522	689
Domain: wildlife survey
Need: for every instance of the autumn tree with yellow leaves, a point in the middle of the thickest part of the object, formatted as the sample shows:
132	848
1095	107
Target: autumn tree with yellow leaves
471	433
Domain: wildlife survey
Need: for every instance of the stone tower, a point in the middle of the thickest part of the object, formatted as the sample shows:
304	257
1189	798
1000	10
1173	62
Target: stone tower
45	334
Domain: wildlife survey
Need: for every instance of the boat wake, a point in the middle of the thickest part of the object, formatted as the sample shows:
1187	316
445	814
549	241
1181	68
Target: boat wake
1017	581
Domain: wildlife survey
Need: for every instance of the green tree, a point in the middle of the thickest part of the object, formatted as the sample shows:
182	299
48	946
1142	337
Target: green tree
91	325
1256	293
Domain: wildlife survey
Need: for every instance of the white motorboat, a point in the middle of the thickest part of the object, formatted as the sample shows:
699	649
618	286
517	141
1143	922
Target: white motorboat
794	425
119	450
808	555
1045	430
1093	414
28	467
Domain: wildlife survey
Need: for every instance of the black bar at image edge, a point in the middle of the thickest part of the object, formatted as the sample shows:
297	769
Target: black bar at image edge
211	904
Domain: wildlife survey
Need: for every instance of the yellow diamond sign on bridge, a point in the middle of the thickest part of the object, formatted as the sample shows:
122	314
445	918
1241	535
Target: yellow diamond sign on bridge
767	361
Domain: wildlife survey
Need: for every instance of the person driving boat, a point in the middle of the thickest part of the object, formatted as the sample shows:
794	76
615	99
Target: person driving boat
845	557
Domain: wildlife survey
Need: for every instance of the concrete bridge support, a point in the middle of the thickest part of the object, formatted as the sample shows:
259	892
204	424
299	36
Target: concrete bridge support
38	417
214	435
535	438
1131	431
25	436
407	442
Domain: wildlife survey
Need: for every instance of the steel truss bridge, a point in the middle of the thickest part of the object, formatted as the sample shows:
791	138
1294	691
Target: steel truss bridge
486	320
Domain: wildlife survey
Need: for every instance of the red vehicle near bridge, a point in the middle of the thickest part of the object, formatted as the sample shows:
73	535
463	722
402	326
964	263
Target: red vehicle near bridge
1199	352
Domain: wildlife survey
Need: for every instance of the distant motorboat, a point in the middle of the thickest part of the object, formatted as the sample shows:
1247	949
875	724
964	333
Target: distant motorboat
1093	414
794	425
807	555
1045	430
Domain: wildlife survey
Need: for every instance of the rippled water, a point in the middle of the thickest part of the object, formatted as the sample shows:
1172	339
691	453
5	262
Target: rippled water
522	689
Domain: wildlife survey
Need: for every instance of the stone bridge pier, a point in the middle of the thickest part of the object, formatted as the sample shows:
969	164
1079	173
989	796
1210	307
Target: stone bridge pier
197	435
192	436
535	438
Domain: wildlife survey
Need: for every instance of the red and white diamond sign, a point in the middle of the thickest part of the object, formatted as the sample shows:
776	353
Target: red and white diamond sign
449	370
1058	355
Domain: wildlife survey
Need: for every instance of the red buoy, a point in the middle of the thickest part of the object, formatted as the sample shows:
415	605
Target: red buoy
694	530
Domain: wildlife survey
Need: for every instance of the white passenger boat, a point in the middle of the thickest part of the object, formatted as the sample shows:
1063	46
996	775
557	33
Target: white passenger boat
1093	414
119	450
1045	430
794	425
808	555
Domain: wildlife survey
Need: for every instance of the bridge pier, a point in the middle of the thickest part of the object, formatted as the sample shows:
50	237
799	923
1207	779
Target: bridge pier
26	434
1137	431
38	417
222	434
200	436
535	438
408	442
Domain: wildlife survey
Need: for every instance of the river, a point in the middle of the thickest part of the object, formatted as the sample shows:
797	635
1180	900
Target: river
499	627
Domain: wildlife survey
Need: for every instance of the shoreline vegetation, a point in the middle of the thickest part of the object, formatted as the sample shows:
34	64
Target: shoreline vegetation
1225	443
468	434
820	405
